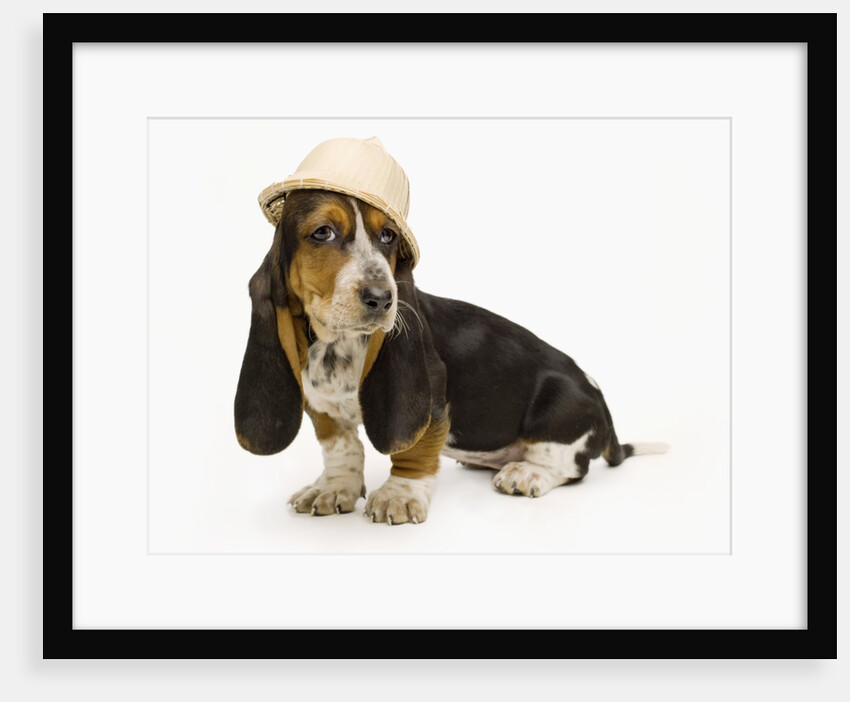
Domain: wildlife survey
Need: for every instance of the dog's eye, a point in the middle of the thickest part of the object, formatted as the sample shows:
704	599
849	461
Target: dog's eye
323	234
387	235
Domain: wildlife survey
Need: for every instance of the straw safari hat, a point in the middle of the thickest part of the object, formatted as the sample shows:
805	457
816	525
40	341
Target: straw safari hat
359	167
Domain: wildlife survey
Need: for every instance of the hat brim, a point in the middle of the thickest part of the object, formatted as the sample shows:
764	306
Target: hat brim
272	198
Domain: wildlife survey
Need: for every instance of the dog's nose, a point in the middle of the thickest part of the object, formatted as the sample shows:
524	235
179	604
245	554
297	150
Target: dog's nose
377	299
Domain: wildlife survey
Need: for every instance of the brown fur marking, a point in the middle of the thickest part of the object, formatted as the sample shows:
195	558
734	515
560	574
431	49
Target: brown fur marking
374	220
313	271
293	339
375	343
243	442
423	457
326	427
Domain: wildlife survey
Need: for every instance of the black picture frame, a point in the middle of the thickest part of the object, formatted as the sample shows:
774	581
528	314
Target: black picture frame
818	31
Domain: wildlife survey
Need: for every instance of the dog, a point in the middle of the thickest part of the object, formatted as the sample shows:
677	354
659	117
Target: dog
339	330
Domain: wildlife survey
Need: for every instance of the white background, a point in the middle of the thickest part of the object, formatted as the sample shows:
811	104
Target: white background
25	676
608	238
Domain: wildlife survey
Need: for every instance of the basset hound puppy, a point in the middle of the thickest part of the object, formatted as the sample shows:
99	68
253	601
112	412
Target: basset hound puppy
340	331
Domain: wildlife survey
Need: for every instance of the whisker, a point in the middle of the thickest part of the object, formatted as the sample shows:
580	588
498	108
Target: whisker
415	313
405	325
399	325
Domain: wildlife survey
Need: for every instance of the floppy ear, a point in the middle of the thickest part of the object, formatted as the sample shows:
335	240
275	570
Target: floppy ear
395	397
269	402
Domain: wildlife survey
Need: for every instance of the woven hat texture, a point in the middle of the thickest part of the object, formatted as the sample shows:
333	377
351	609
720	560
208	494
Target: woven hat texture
359	167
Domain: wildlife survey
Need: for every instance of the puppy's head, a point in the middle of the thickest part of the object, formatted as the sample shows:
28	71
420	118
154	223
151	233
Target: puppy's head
334	260
338	255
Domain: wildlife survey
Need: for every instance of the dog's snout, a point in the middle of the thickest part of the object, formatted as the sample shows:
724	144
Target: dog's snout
376	299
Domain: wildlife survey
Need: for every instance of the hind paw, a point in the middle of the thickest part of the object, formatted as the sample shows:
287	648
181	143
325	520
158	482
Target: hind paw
523	478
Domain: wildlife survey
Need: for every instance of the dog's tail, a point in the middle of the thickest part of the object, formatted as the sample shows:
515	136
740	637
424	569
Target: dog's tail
615	453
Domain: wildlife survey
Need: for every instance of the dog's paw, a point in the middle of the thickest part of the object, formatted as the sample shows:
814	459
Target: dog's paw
329	495
400	500
523	478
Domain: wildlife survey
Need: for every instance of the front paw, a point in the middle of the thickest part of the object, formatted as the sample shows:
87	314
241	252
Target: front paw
329	495
400	500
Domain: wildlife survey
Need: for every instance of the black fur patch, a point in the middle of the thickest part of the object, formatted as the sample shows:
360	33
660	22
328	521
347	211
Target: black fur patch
329	359
268	405
504	383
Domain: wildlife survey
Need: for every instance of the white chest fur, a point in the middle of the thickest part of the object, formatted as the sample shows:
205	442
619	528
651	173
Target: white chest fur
331	380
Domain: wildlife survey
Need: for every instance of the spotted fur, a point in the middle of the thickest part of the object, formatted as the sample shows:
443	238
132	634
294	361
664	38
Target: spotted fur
331	379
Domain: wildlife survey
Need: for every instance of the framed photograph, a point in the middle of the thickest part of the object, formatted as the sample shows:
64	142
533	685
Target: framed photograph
639	195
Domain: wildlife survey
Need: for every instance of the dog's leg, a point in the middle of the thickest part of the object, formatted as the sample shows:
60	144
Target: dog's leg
406	495
545	465
341	483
